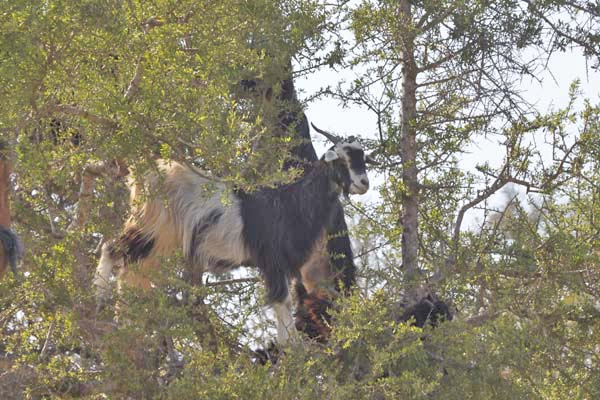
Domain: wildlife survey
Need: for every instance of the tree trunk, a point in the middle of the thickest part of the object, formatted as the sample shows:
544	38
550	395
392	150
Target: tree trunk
410	190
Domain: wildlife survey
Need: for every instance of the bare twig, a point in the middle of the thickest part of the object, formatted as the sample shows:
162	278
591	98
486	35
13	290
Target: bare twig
90	173
47	341
231	282
134	84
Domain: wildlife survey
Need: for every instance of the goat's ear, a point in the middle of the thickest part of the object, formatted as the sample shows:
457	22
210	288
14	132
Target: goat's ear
331	155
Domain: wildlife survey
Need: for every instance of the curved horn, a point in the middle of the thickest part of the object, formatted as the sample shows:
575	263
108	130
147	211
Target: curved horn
328	135
370	159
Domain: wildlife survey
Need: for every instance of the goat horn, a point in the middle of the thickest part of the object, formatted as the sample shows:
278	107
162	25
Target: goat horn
328	135
370	159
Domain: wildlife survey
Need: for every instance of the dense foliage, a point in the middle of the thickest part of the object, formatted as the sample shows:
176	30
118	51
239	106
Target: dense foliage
94	92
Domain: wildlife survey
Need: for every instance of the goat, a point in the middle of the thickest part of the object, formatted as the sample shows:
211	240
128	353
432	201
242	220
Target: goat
273	229
12	250
313	316
333	266
428	310
330	266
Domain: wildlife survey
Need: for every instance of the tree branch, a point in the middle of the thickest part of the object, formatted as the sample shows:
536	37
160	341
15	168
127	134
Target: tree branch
231	282
134	84
68	109
90	172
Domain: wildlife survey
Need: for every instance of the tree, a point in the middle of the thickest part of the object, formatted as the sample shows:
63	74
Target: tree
99	91
438	75
96	92
5	219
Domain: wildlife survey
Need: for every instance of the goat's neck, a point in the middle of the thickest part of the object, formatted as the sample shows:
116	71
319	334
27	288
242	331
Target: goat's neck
319	189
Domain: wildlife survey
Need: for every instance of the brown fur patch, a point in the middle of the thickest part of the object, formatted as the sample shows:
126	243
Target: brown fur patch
313	316
132	245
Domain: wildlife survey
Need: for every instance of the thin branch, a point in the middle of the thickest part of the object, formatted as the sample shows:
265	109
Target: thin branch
134	84
80	112
90	173
47	341
379	246
500	181
480	319
561	33
424	27
231	282
439	62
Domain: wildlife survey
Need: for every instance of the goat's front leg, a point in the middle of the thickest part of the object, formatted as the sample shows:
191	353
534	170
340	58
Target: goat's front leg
278	295
286	327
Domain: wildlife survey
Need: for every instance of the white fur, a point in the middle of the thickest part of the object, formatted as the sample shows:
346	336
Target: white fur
331	155
357	186
178	200
102	276
286	327
192	198
170	220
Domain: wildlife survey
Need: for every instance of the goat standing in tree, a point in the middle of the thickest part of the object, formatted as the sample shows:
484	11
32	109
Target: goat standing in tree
275	230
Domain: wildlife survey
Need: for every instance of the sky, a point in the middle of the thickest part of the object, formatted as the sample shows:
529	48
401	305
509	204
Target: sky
549	94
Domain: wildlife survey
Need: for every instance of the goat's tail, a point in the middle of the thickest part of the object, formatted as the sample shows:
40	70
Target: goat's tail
12	247
103	273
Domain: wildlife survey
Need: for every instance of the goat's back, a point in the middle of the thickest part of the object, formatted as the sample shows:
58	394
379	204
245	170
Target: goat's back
180	207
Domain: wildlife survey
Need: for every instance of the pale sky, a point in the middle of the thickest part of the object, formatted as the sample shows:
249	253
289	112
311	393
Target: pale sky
552	93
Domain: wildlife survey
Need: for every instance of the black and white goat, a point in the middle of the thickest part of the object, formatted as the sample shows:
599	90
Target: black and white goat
273	229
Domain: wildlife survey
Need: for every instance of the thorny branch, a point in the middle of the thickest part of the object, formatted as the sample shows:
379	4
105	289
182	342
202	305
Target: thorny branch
72	110
503	178
90	172
226	282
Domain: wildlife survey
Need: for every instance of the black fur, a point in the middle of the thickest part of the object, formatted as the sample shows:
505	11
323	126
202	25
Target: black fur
270	354
132	246
357	159
427	310
340	250
223	266
281	225
12	247
200	231
293	119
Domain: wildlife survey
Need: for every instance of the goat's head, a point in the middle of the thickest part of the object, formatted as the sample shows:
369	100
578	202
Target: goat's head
349	160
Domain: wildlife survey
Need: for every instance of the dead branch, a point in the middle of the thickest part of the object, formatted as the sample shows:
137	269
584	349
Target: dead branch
231	282
47	341
134	84
90	172
72	110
